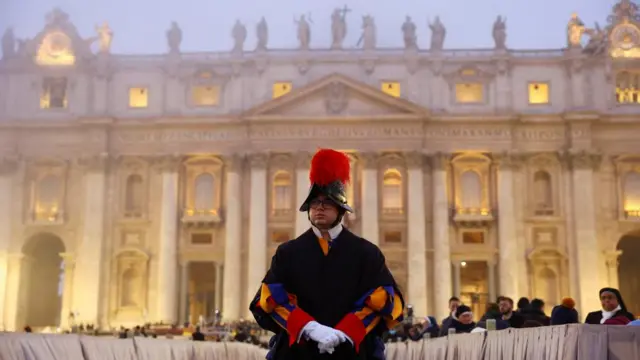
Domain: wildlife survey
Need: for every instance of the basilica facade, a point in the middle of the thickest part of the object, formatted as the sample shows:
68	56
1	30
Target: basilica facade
156	188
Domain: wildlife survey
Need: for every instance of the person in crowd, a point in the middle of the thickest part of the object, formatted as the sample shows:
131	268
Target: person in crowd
345	296
634	323
515	319
454	302
27	329
535	312
531	324
523	305
462	321
565	313
197	335
614	311
493	313
431	327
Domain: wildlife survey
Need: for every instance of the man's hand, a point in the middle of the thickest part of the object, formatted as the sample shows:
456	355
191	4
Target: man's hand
326	337
330	347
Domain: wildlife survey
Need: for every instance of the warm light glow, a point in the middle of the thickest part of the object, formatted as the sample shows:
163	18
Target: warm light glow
55	50
138	97
281	89
54	93
626	53
391	88
473	211
194	212
463	263
208	95
538	93
469	93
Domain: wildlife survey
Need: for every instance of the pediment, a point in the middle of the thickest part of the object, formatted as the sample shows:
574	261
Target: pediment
59	43
336	96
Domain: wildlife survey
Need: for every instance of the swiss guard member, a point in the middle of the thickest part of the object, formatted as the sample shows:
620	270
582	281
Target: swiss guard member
328	294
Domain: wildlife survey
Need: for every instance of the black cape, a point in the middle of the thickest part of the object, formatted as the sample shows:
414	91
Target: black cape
327	288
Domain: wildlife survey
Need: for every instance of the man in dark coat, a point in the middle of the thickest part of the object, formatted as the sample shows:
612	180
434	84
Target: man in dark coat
328	294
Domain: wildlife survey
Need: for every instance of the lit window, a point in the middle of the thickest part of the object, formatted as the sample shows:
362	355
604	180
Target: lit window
54	93
138	97
281	89
627	88
538	93
391	88
473	237
205	95
282	196
469	93
392	192
393	237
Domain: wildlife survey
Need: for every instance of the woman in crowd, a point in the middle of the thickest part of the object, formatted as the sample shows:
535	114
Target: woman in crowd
463	321
613	312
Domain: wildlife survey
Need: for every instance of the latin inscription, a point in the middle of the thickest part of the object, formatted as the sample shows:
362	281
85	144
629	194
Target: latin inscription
469	133
337	132
172	136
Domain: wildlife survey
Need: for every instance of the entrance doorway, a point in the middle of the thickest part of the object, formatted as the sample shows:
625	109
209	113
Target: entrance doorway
43	280
201	291
629	272
474	286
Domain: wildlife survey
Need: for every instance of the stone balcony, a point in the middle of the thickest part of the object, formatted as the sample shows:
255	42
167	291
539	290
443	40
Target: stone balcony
201	218
472	217
45	217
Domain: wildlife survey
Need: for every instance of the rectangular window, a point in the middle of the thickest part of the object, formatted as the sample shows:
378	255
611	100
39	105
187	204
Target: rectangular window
54	93
391	88
538	93
138	97
281	89
473	237
201	239
393	237
205	95
469	93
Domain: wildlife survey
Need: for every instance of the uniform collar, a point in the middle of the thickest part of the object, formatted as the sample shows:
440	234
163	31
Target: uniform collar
333	232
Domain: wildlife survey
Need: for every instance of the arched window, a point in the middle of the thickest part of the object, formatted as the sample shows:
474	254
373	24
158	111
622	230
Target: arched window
282	192
48	196
204	193
134	195
392	191
543	196
471	188
631	189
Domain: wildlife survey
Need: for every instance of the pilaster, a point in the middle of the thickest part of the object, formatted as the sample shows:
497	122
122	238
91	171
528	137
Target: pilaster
441	242
417	231
257	259
303	162
231	290
370	202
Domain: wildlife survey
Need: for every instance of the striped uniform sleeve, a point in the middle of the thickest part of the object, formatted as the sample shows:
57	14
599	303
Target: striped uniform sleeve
383	303
282	307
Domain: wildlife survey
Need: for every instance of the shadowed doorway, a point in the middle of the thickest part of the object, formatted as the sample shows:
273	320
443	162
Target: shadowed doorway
629	272
43	280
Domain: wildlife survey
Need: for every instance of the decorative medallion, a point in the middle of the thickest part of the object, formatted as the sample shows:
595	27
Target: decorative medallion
336	98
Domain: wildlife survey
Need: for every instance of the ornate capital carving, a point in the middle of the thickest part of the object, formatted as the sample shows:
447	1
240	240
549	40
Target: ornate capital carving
440	161
93	162
611	258
8	165
303	159
169	163
414	159
258	160
585	161
369	160
234	162
508	161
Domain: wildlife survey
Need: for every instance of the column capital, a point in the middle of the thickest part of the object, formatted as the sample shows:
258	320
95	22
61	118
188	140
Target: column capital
415	159
8	165
508	160
93	163
258	160
234	162
369	159
611	258
303	159
167	163
584	160
440	161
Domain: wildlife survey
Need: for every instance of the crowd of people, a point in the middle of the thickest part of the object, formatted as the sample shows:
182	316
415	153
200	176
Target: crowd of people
504	314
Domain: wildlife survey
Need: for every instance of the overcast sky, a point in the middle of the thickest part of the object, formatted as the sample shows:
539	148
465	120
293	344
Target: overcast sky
140	25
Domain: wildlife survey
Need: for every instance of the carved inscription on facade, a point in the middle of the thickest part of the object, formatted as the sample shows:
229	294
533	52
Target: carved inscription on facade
544	134
337	132
468	132
177	136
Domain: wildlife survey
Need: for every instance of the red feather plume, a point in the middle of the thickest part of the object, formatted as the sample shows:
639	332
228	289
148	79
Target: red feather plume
328	166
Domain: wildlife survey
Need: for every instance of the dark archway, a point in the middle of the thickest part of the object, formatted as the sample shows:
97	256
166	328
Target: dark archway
42	280
629	272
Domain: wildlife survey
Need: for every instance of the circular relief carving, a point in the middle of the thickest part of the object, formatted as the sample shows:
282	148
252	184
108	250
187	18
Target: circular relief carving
625	36
57	45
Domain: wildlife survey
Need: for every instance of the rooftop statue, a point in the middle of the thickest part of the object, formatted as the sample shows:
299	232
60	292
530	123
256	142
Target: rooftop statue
500	33
174	38
409	34
597	42
368	38
8	44
105	37
438	34
239	34
575	30
338	27
262	33
304	32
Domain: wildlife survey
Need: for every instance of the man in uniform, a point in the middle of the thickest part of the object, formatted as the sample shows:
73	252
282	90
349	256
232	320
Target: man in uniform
328	294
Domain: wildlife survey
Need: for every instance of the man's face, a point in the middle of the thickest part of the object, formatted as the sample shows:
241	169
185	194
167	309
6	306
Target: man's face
453	305
466	318
323	212
505	306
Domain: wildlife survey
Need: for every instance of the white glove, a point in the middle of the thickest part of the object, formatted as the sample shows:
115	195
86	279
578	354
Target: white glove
320	333
330	347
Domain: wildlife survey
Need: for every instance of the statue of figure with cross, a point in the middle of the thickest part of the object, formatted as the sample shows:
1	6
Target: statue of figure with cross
338	27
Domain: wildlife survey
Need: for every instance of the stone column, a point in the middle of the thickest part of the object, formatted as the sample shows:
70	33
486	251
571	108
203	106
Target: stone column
441	246
491	271
257	260
417	229
87	297
16	287
369	206
184	284
303	160
7	169
217	301
457	278
612	267
585	222
167	292
69	262
507	236
233	231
